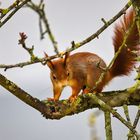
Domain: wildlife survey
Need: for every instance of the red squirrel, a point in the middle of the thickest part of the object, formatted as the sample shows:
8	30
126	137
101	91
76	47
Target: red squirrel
82	70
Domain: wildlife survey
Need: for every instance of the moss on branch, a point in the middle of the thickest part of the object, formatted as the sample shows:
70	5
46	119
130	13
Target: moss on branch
114	99
59	109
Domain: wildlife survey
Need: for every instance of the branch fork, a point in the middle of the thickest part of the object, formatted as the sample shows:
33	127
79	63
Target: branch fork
22	39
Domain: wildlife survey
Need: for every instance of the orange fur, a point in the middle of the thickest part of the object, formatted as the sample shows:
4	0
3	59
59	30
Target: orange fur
126	59
82	70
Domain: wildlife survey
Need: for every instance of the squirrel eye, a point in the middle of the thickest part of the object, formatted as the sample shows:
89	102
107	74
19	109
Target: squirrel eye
68	73
54	77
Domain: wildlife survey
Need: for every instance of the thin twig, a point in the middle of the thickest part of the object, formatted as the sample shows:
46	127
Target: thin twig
106	25
22	64
22	39
123	45
106	107
4	12
74	45
126	112
13	13
137	117
108	127
41	29
131	135
39	9
136	4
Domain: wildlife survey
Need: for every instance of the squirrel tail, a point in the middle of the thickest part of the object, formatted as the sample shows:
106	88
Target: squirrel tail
126	59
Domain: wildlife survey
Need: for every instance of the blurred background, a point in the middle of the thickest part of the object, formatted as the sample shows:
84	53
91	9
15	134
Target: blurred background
70	20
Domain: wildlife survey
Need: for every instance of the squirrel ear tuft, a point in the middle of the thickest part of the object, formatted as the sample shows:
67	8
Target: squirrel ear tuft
66	58
49	62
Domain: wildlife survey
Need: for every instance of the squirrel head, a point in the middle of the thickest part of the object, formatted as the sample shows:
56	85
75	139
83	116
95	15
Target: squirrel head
58	71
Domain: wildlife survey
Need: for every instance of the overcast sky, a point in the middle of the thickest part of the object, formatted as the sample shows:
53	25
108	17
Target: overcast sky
69	20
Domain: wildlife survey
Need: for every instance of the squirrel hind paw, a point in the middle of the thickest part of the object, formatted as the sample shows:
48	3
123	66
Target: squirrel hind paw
51	99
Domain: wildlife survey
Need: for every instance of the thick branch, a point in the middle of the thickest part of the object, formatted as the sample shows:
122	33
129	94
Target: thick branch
21	94
57	110
84	102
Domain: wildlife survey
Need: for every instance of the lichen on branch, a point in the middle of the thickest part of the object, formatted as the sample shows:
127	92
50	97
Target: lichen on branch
59	109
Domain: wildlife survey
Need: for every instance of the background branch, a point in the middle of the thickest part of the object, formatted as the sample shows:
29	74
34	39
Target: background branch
39	9
108	127
74	45
4	12
123	45
17	7
22	39
131	136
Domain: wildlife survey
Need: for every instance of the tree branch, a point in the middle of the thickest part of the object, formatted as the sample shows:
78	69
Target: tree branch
60	109
131	135
21	94
22	39
39	9
123	45
108	127
17	7
73	45
4	12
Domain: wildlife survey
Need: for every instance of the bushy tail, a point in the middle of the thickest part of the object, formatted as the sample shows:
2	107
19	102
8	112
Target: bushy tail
125	61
